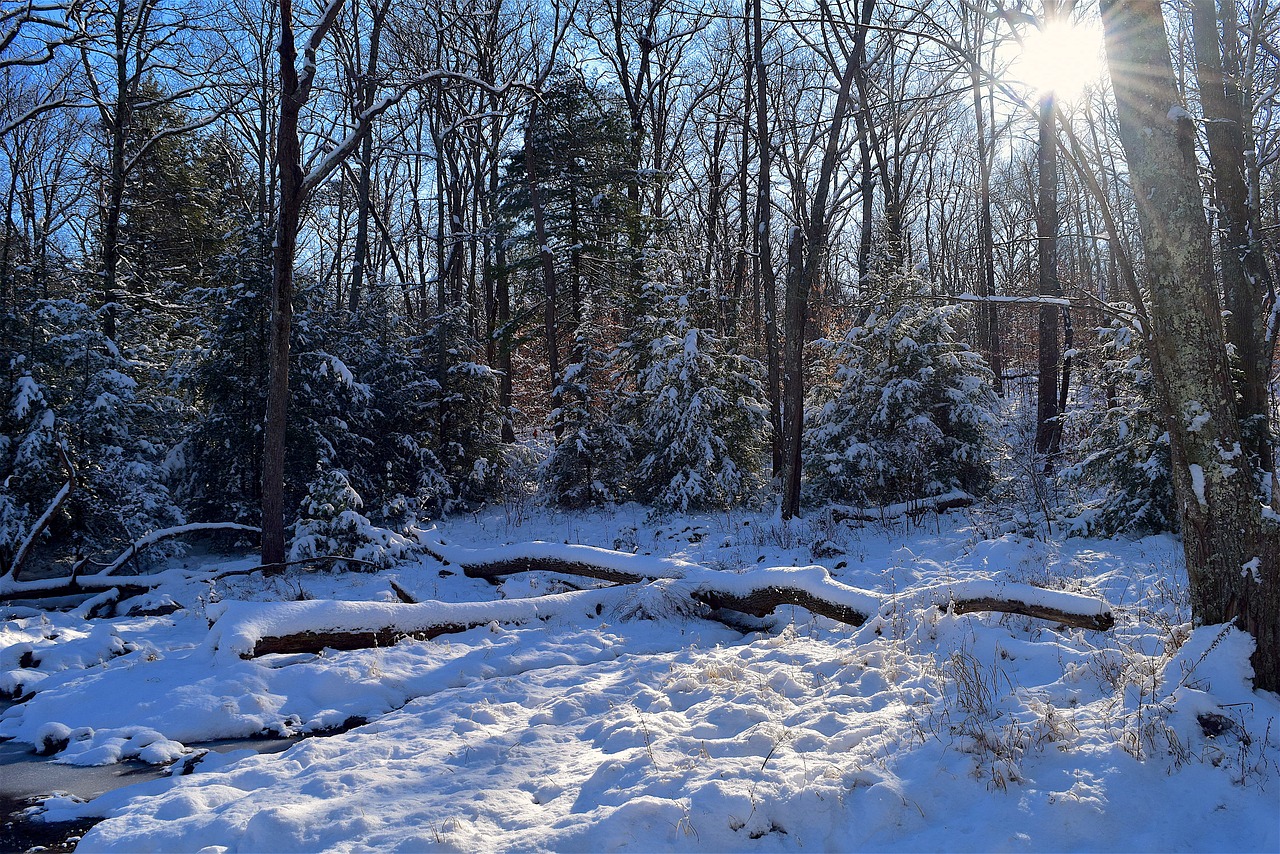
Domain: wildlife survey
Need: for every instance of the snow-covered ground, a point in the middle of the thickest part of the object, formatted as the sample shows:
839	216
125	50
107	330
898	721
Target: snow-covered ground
649	728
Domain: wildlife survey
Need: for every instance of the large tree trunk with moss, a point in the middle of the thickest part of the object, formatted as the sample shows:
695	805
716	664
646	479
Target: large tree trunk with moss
1231	548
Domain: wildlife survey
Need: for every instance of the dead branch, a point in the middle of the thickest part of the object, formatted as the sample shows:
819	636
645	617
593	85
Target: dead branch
43	522
913	509
1101	622
499	569
403	595
76	584
765	600
165	533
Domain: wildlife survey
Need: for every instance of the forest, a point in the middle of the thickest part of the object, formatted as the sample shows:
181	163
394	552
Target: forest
887	313
583	253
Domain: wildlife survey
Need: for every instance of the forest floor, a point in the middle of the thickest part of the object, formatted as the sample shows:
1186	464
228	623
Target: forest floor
650	728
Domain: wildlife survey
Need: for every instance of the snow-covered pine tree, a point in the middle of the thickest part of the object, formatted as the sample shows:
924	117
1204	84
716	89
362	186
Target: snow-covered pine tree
589	455
1124	458
699	424
330	524
218	465
908	411
75	385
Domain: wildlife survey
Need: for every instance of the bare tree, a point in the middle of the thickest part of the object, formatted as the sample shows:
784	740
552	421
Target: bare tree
150	56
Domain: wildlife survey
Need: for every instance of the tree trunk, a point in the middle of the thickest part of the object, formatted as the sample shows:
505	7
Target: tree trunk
797	309
1231	551
764	237
364	204
289	159
987	321
550	305
1246	279
806	257
1048	431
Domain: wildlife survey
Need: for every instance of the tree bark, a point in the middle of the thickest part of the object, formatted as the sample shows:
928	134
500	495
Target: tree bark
364	205
1232	551
987	321
806	258
550	307
1246	279
1048	430
795	313
764	239
289	162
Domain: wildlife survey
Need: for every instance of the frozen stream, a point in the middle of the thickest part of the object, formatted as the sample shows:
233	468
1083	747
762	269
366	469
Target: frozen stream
24	777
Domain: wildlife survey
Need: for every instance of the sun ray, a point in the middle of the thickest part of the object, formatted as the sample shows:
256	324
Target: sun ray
1063	58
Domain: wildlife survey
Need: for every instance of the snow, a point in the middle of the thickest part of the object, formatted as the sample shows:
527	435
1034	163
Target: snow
1197	483
611	718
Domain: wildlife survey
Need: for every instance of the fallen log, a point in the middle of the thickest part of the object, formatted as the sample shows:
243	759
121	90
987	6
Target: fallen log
251	629
1101	622
582	561
760	590
76	584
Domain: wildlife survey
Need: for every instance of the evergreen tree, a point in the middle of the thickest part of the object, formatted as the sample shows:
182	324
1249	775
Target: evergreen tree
1125	453
330	524
700	428
588	460
78	386
908	411
219	463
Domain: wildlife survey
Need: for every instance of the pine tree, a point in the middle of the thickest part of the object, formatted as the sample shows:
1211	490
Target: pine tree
1126	451
78	387
588	460
909	410
700	427
330	524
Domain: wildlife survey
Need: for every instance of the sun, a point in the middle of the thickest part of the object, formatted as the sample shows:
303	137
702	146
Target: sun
1061	58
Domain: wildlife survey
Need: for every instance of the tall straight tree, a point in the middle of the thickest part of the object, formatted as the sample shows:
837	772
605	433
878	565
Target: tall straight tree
763	236
1246	278
807	256
1048	428
1232	549
295	186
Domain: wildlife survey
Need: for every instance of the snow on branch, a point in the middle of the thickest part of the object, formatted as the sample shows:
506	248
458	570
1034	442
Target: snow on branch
164	533
20	557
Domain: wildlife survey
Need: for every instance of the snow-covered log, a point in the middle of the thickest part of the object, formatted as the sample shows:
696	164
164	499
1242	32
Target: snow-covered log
250	629
759	590
134	585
